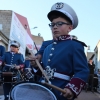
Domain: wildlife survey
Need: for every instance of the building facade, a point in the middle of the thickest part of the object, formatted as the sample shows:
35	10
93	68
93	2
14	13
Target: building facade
96	56
14	26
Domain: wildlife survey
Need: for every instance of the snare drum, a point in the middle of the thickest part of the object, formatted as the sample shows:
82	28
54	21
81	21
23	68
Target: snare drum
8	77
31	91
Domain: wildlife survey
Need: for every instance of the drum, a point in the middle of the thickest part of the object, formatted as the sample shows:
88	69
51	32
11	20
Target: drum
8	77
31	91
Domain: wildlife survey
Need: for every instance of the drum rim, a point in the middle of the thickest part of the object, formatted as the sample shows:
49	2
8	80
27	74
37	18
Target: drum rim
32	82
13	72
7	74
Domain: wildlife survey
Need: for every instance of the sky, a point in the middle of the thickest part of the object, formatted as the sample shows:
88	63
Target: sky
36	13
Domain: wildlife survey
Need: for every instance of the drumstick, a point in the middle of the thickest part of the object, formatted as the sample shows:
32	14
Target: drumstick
55	87
40	67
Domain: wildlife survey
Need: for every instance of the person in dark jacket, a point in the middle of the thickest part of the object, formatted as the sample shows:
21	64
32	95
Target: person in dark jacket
91	66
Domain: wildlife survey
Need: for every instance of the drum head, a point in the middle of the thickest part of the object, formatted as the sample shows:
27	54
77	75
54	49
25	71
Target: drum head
31	91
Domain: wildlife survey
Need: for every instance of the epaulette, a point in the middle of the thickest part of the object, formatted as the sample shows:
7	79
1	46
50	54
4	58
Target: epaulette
80	42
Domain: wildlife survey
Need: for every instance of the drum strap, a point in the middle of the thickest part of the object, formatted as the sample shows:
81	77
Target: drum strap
61	76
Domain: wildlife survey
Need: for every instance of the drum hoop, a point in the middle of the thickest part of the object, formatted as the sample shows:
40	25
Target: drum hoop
30	83
7	73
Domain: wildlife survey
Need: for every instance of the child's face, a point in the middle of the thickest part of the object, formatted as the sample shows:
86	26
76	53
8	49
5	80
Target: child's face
14	49
62	29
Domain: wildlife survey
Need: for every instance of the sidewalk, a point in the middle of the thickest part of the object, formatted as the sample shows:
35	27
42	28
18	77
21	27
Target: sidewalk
88	96
97	93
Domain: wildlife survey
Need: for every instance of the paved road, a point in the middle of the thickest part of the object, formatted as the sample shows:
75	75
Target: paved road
88	96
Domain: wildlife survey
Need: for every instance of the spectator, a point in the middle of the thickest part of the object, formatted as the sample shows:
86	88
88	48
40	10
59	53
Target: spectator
91	75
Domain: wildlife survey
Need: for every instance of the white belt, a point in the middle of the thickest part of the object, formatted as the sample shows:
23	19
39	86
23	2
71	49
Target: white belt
61	76
95	77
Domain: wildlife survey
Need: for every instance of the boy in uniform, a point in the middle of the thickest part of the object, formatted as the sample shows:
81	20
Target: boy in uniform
65	54
10	58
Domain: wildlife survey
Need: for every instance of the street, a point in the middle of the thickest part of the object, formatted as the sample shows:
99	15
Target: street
88	96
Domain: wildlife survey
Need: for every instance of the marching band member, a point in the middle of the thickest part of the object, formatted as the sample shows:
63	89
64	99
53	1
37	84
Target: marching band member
2	51
12	58
65	54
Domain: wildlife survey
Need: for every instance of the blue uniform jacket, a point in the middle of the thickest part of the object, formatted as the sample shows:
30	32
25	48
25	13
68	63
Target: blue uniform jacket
13	58
27	64
2	50
67	57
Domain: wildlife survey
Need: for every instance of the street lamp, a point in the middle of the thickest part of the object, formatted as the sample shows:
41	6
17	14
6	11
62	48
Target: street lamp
34	41
35	27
